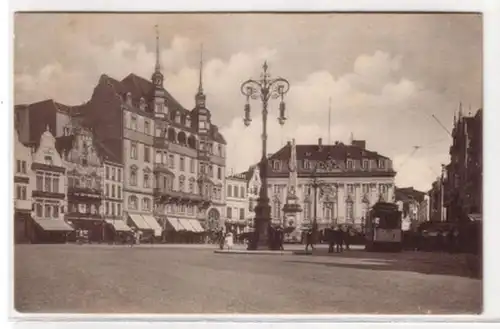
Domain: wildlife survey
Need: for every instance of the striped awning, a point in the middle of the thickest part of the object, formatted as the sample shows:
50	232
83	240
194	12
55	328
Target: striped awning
139	222
152	224
174	222
54	225
118	225
196	225
186	224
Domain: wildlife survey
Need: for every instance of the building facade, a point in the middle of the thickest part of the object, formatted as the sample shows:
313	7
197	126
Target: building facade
464	183
350	179
237	214
49	189
84	177
22	189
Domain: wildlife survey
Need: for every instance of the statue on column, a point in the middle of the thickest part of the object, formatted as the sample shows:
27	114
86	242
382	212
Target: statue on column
292	207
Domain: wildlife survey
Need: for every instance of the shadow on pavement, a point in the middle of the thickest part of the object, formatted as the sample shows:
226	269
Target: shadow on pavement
462	265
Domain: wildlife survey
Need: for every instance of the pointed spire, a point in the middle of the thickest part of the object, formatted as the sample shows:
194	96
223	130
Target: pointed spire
351	138
157	65
200	82
460	111
47	128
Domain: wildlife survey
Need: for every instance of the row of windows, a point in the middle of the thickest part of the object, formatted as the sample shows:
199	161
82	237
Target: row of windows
114	192
84	182
232	191
365	189
181	209
146	178
21	166
229	212
307	164
113	208
134	124
83	208
47	182
48	211
133	203
114	174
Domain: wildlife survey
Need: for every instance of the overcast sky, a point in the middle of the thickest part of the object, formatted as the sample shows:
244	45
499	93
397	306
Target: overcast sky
386	74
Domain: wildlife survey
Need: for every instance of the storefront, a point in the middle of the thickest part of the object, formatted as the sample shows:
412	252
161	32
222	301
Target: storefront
49	231
183	230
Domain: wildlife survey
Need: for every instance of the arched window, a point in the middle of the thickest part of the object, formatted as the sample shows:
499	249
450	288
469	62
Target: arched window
171	134
181	138
146	180
191	141
132	202
133	176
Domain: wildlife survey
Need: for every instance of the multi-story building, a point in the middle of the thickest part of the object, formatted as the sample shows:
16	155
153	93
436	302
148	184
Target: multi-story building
237	206
437	211
48	185
352	179
411	201
173	158
463	184
84	174
22	189
113	190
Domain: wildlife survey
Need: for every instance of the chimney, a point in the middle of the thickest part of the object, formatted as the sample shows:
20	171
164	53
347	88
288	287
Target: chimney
359	143
289	143
320	141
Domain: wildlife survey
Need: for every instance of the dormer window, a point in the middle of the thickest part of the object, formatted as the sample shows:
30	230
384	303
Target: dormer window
173	115
381	164
128	98
188	122
365	164
48	160
276	165
142	104
177	117
350	164
307	164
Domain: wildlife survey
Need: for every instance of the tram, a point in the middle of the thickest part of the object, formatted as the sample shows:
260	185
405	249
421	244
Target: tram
383	228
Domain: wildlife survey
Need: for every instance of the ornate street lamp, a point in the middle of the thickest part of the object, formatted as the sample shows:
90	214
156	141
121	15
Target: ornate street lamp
264	89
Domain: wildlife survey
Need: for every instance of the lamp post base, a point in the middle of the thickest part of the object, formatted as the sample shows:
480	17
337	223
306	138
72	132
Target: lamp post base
260	239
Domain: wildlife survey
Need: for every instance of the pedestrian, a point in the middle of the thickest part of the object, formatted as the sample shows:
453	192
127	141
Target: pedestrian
339	243
330	236
346	237
309	238
281	237
229	241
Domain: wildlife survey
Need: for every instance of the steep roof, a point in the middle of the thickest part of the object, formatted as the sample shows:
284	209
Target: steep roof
106	153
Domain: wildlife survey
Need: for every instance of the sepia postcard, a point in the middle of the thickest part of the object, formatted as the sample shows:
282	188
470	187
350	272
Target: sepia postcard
248	163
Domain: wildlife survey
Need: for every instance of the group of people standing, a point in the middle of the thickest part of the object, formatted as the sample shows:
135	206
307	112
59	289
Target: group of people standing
336	236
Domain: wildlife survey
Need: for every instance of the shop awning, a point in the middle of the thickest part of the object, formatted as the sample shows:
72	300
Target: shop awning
153	224
139	221
118	225
196	225
53	225
186	225
174	222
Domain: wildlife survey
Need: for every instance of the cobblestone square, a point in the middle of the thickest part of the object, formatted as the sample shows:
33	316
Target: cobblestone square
170	279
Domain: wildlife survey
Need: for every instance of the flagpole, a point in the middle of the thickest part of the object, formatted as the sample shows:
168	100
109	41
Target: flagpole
329	118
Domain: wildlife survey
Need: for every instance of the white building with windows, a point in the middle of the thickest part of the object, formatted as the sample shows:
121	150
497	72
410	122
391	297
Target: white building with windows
49	190
351	179
237	214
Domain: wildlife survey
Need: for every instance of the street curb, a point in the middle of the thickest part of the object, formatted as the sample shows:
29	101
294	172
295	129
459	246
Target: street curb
254	252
